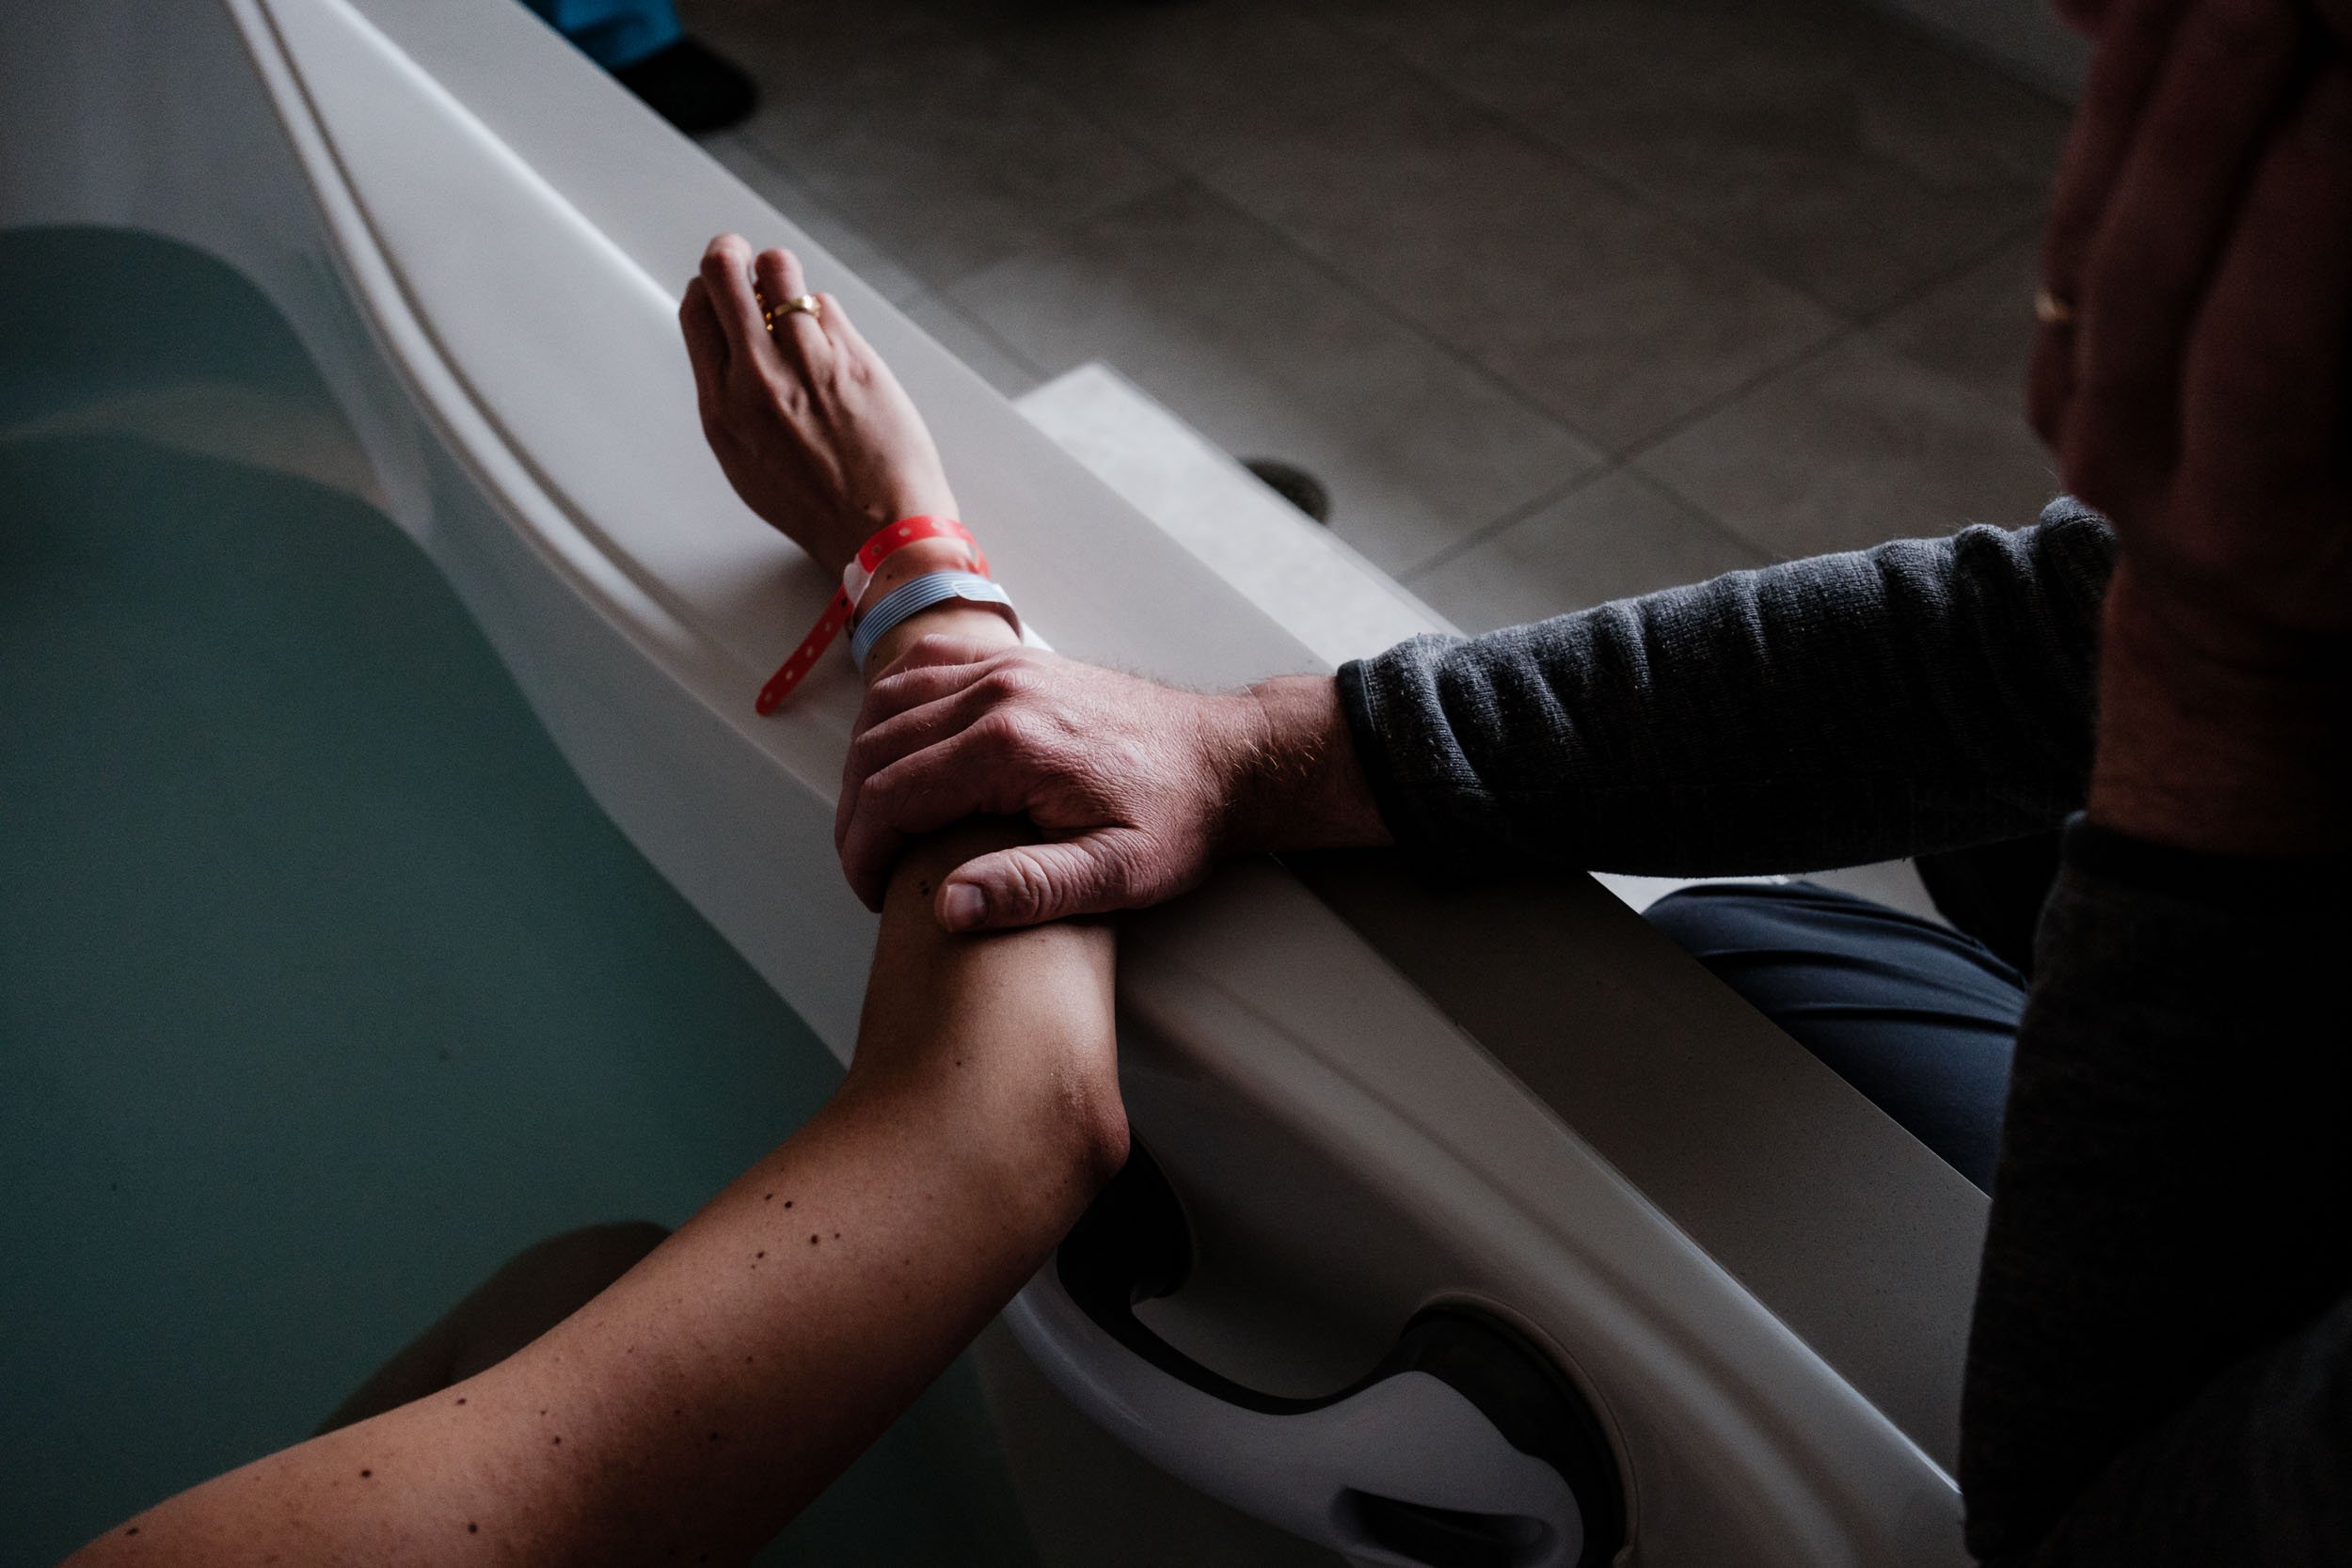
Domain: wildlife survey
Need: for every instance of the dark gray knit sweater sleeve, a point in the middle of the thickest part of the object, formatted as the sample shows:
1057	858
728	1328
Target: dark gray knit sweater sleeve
1922	696
2160	1368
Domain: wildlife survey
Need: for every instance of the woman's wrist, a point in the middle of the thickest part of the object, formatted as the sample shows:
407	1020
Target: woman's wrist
835	550
966	621
954	618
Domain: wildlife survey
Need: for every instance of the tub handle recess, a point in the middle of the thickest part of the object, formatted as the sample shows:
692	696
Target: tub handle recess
1466	1446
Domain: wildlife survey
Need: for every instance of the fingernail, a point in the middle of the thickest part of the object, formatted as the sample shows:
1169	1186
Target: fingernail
960	906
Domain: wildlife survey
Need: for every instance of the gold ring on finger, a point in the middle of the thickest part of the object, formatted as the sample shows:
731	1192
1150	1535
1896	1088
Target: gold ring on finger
808	305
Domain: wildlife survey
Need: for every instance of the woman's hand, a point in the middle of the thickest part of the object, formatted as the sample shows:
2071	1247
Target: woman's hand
809	425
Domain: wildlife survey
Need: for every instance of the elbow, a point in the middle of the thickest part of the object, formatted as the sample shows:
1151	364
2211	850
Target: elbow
1094	1142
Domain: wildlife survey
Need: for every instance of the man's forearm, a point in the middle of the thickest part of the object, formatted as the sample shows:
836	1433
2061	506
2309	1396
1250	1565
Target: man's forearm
1299	783
1924	695
2236	750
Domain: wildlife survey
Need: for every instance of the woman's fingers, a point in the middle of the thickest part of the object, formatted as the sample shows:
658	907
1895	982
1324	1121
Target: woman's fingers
2165	229
706	342
726	272
843	331
2132	35
801	335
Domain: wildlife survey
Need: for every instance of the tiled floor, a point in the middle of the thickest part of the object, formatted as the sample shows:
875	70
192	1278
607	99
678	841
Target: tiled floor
1564	299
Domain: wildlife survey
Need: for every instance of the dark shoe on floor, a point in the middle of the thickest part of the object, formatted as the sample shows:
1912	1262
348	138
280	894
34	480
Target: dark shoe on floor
691	88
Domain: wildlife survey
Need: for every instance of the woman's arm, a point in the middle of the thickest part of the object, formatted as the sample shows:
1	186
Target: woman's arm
693	1408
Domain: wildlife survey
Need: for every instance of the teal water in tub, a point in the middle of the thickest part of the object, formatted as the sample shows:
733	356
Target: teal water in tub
323	986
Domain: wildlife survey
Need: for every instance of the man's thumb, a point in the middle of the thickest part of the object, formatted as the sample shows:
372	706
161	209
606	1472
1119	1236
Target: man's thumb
1030	883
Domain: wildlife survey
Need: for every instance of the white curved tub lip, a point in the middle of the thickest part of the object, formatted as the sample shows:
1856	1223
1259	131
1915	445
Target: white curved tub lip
1826	1476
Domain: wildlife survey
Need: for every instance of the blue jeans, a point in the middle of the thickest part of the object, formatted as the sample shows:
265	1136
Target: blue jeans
1917	1017
612	33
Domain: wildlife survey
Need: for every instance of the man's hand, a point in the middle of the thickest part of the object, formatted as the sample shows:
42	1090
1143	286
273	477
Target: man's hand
2203	229
1136	788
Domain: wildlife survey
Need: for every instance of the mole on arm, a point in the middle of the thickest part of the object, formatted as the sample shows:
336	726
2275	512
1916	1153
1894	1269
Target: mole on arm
472	1528
365	1474
812	1240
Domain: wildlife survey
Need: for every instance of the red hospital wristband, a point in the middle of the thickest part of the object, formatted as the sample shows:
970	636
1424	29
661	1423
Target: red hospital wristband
855	578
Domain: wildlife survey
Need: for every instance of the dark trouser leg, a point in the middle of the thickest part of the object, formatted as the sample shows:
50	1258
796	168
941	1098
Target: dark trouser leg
1917	1017
1995	892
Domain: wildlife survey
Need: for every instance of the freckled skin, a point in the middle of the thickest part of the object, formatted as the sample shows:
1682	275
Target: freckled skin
985	1171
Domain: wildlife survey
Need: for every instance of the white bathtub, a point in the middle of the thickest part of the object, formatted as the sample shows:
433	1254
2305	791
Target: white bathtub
1370	1098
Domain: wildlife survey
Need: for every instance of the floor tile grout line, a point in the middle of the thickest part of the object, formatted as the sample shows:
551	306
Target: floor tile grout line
1455	352
1612	457
989	333
1850	325
1844	322
1536	141
1460	356
1797	361
1847	321
1509	520
1007	29
1604	457
983	39
2023	229
1609	458
757	153
986	39
1699	416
